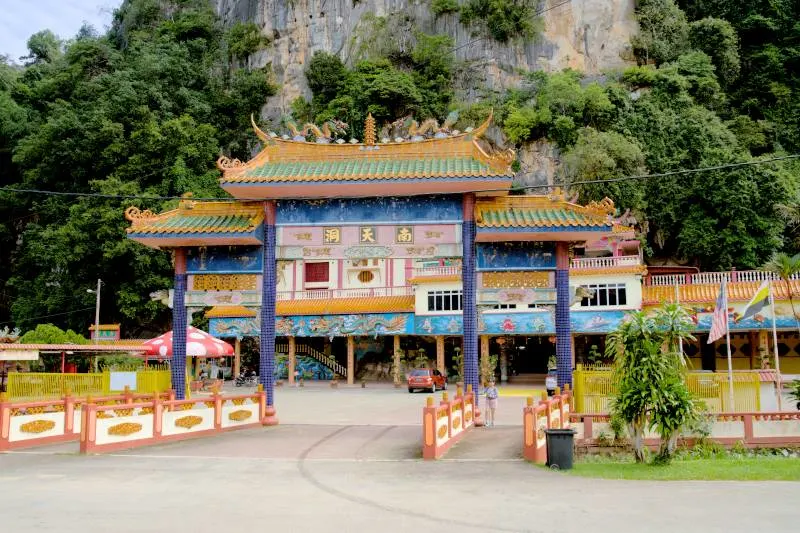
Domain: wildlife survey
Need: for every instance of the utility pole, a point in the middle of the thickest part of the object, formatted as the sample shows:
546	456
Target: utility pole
96	317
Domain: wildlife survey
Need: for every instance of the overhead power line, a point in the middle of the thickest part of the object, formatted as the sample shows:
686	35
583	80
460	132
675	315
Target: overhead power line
727	166
47	316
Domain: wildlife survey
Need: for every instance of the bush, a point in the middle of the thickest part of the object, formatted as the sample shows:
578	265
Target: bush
443	7
504	19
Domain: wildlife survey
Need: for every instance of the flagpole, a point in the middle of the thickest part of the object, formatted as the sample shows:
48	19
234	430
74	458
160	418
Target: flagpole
728	344
775	346
680	339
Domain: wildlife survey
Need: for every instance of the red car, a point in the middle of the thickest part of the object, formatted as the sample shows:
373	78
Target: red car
426	378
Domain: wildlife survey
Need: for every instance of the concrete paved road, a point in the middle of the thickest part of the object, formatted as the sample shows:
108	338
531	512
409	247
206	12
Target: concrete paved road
345	475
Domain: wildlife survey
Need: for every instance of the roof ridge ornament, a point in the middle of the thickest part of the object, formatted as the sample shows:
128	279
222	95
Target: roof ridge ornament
604	207
135	215
369	130
226	163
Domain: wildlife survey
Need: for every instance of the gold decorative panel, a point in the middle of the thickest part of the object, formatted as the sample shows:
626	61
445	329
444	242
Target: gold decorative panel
225	282
502	280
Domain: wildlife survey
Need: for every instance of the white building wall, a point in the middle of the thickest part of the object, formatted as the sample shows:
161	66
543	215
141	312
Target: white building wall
633	289
421	296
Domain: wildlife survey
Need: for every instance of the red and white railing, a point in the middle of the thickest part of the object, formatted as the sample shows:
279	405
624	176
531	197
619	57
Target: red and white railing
582	263
334	294
712	278
424	272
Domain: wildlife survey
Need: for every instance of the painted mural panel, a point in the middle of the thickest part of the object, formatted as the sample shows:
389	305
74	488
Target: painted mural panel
356	210
406	234
533	323
222	259
370	251
783	317
515	256
318	326
595	321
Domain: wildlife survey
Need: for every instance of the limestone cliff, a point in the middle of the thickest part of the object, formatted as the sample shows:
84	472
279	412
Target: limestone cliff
588	35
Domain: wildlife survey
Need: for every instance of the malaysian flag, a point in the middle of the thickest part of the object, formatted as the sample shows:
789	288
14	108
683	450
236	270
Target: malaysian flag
719	322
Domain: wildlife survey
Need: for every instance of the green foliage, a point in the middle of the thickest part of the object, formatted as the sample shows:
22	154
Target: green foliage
794	390
325	74
143	110
443	7
418	84
663	32
44	47
601	155
768	85
651	390
50	334
503	19
244	39
717	39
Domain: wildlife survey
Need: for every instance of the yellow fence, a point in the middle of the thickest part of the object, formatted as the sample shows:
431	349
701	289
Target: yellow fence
40	385
595	388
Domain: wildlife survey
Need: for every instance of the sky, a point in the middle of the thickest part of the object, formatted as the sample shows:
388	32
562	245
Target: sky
19	19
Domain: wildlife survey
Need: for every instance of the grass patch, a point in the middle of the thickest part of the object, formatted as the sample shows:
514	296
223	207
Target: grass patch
728	468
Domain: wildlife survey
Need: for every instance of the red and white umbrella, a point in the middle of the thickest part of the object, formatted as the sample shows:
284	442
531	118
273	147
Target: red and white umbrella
198	344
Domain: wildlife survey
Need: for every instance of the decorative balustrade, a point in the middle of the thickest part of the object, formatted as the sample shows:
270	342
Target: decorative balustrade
36	423
331	294
422	272
108	428
752	430
551	412
447	423
583	263
711	278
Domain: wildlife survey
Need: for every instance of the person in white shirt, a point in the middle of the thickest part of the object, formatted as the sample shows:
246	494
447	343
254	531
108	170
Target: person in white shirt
491	403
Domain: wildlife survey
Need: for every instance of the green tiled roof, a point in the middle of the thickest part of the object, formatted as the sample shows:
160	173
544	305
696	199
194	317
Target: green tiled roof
202	218
367	168
538	213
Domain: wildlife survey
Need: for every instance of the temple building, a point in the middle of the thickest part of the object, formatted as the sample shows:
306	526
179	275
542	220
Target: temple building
341	256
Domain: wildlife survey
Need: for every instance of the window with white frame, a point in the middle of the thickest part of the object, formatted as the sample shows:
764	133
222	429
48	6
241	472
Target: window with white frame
445	300
505	306
605	294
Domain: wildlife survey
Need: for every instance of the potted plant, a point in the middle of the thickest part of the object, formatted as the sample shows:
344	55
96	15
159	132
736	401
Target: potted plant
794	392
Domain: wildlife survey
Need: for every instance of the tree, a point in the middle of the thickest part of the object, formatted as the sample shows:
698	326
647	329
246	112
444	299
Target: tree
786	267
651	390
663	32
717	39
605	156
144	110
44	47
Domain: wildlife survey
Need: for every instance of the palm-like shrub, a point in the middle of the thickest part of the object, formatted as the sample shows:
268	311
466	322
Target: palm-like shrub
649	377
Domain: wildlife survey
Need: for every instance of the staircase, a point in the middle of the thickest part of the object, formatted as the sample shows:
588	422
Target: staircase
527	379
303	349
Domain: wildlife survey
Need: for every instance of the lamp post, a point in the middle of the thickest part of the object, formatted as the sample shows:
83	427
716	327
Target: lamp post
96	317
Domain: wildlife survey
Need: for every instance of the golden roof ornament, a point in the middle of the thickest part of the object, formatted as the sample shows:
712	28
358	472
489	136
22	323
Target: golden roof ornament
369	130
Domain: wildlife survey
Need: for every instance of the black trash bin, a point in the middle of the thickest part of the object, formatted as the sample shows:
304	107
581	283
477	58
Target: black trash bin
559	448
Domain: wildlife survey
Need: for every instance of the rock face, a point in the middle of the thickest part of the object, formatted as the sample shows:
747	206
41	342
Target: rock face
587	35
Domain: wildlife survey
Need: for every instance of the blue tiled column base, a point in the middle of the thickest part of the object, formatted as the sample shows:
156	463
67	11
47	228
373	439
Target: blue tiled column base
563	333
468	277
266	362
178	365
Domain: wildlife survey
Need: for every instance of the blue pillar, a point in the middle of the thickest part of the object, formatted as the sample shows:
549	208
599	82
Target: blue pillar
178	364
266	362
563	332
470	308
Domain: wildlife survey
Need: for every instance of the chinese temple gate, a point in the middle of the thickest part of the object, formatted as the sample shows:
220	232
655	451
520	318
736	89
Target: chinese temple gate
404	237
